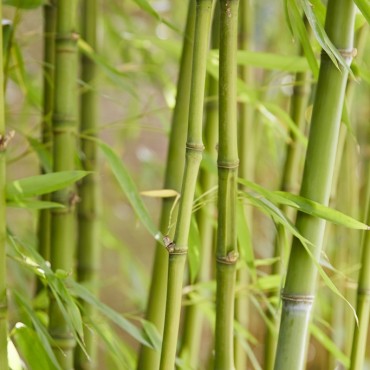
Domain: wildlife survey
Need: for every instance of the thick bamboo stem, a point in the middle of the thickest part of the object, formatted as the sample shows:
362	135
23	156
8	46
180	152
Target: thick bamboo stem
64	152
299	289
194	147
87	242
49	11
4	138
227	255
148	358
289	182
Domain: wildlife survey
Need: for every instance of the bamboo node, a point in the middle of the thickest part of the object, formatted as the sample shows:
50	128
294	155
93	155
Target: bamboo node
171	246
297	298
364	292
230	259
195	147
74	36
73	199
347	54
5	139
228	164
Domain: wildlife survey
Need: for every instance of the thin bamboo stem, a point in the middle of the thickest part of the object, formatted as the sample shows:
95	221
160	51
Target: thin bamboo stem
3	285
194	149
246	147
227	255
148	358
43	231
64	152
299	289
194	318
87	243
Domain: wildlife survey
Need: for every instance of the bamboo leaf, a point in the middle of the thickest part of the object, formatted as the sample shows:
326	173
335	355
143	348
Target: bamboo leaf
31	348
25	4
364	7
152	333
84	294
42	184
327	343
128	186
194	250
14	360
33	204
162	193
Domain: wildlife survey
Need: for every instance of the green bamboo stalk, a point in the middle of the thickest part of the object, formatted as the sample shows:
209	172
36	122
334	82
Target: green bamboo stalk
194	148
64	152
4	138
363	299
87	242
289	182
246	148
194	317
148	358
227	255
299	289
43	231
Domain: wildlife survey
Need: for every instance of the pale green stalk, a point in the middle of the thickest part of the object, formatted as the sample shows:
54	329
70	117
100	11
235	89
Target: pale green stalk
194	148
226	254
246	147
299	290
194	318
289	182
49	10
4	139
88	228
64	153
149	358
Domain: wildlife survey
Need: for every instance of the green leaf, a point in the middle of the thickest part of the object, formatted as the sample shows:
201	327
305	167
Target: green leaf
364	7
84	294
128	186
25	4
152	332
33	204
327	343
31	348
269	61
42	184
194	250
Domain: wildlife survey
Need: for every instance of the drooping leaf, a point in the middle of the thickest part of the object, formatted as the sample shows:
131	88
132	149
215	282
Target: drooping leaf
364	7
42	184
31	348
129	188
161	193
81	292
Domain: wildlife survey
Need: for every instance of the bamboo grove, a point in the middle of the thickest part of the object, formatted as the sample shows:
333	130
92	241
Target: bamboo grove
184	185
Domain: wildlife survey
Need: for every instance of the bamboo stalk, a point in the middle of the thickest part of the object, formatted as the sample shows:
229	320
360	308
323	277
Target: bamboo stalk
4	138
148	358
194	318
88	228
246	148
299	289
363	299
43	231
194	148
227	255
289	182
64	152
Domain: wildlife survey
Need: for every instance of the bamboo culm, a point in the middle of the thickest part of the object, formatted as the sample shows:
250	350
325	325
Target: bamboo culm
4	140
299	290
194	318
43	231
289	182
64	154
156	307
88	228
246	148
194	148
226	251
